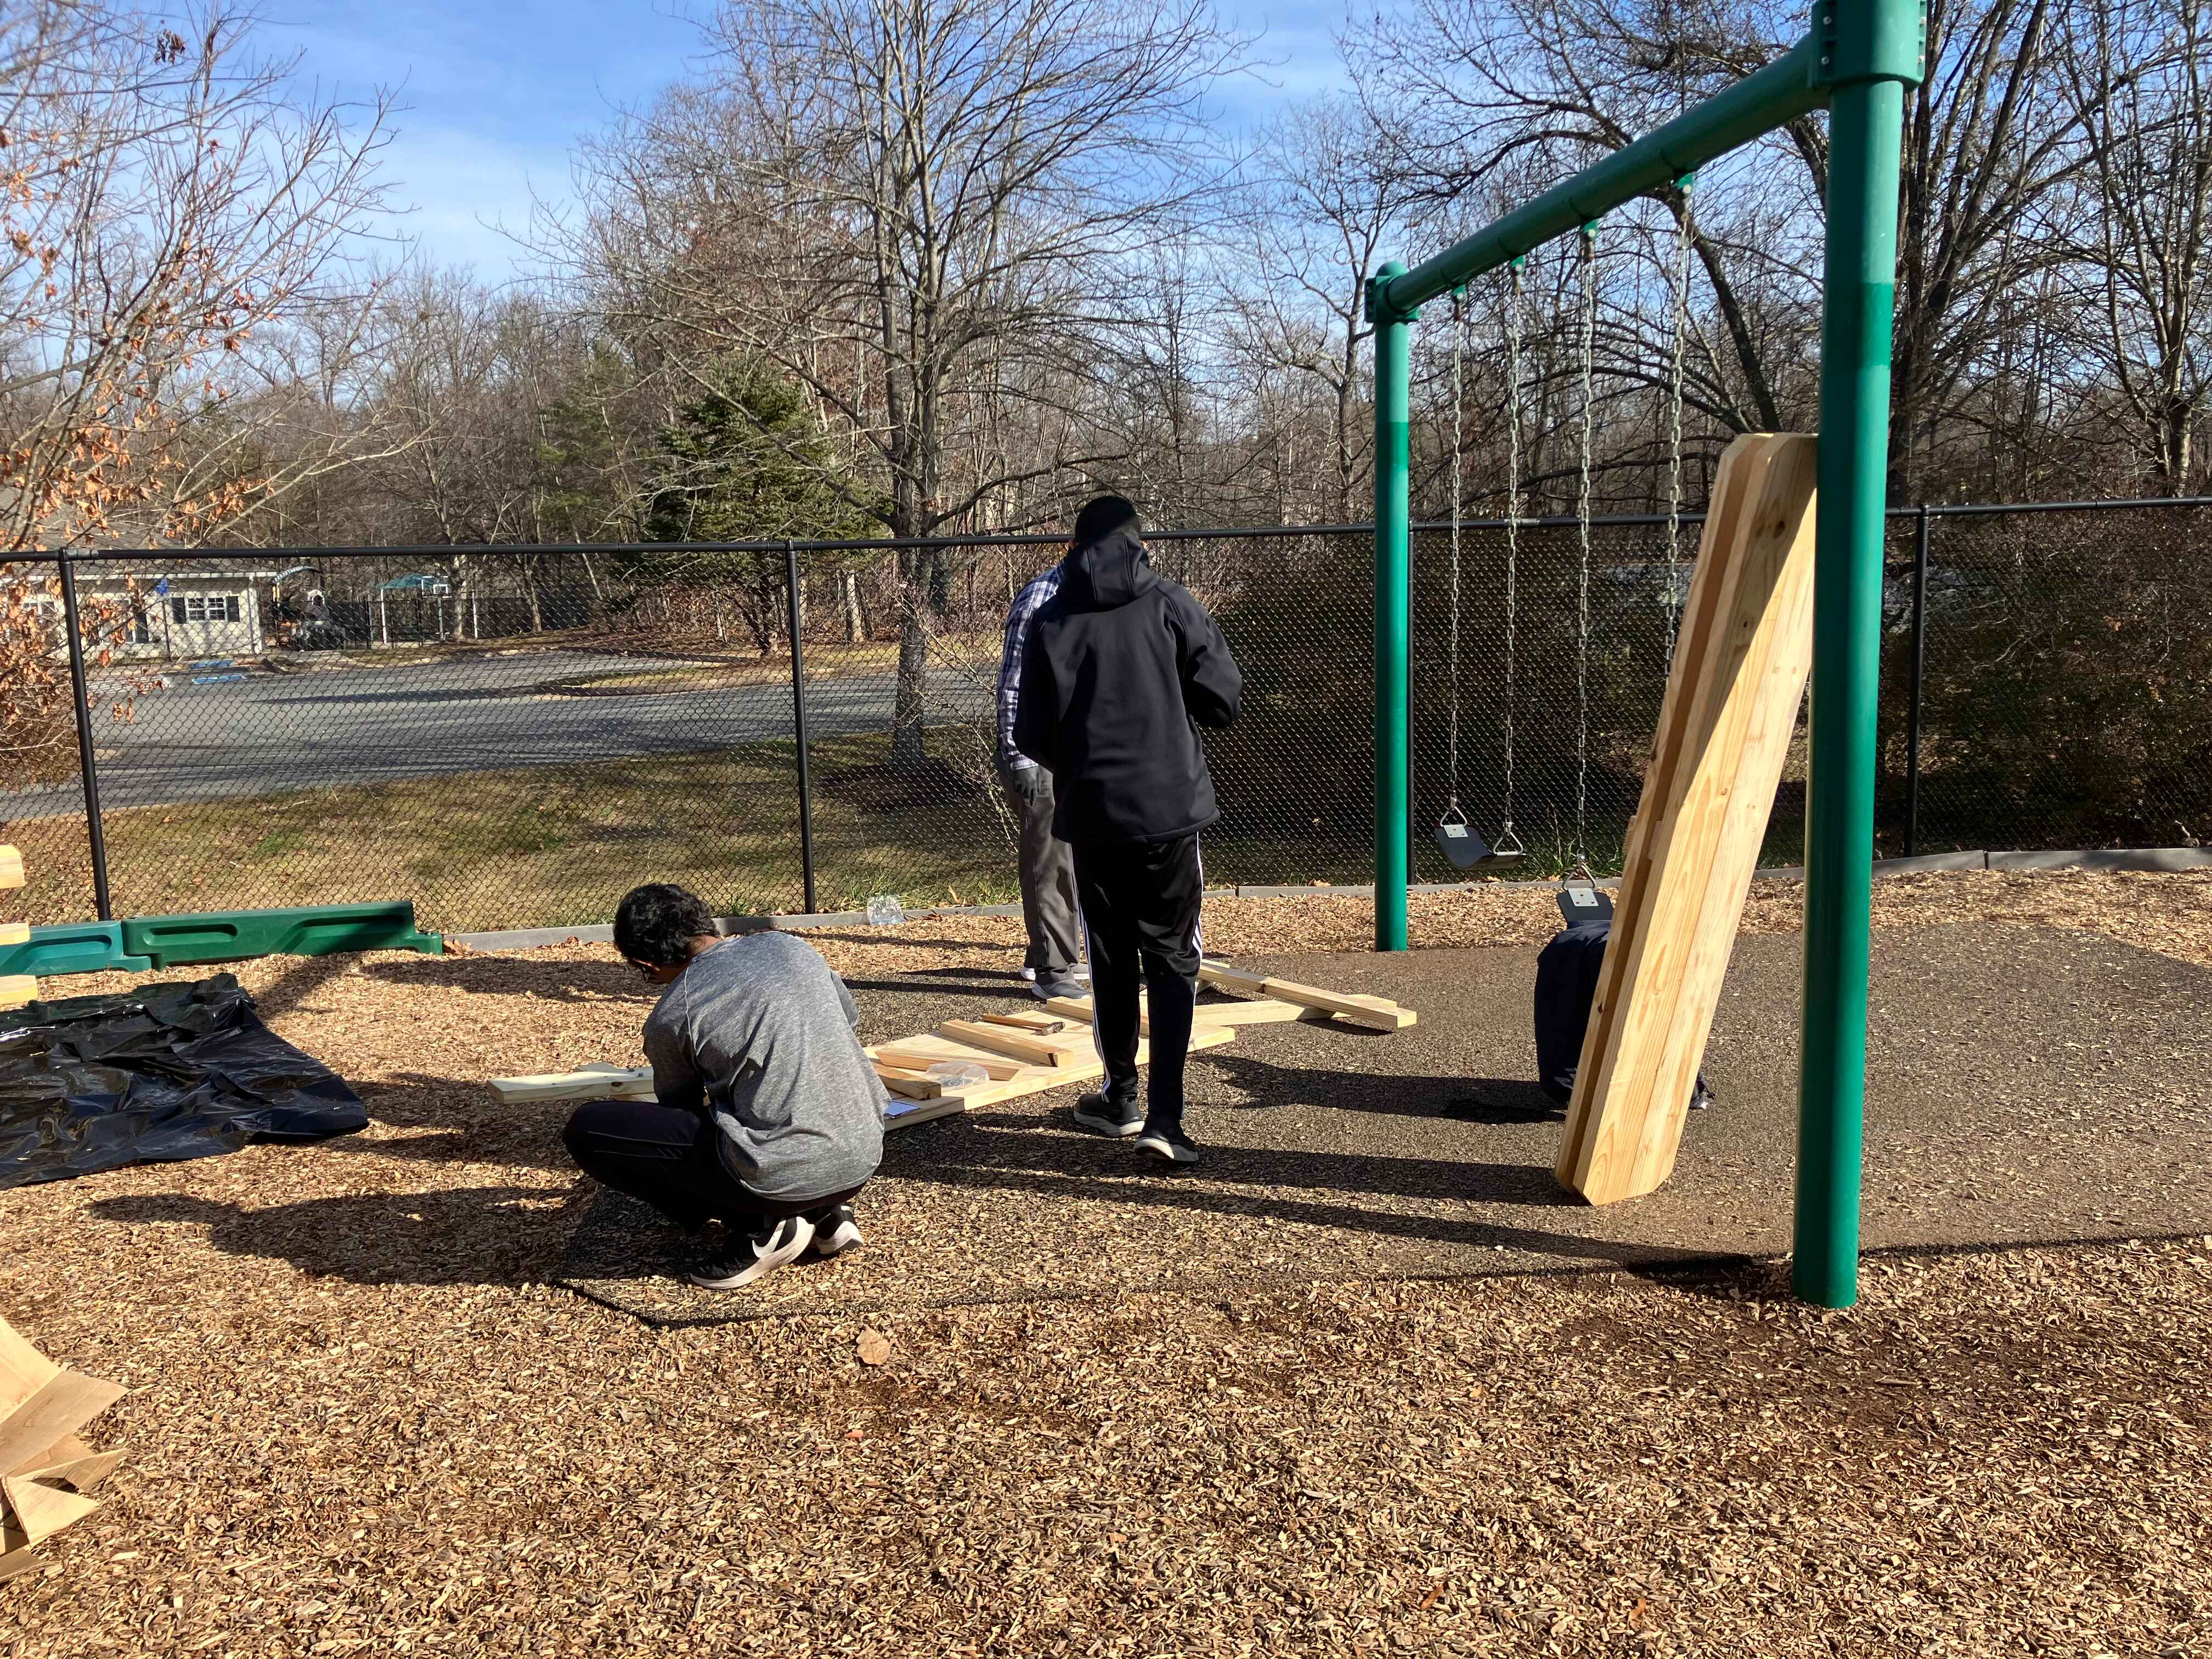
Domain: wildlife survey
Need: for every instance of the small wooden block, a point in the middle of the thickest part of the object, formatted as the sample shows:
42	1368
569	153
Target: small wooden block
11	867
15	933
905	1114
1036	1025
910	1085
16	989
42	1511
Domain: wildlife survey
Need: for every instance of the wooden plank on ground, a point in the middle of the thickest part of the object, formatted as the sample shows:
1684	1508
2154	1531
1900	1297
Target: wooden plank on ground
11	866
1028	1079
16	989
1016	1045
15	933
1234	1014
1377	1013
1725	726
920	1053
598	1080
23	1369
1044	1025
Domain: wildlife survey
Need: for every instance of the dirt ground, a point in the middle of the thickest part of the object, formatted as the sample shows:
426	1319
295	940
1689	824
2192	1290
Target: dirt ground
1362	1383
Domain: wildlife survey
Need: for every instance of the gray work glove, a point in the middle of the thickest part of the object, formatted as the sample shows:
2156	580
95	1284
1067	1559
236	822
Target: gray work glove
1030	783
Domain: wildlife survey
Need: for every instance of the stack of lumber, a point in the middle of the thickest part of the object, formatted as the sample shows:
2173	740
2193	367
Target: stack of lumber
47	1474
1017	1054
15	989
1740	664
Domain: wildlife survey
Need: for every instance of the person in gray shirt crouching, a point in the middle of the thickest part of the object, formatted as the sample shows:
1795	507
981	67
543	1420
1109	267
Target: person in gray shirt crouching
768	1116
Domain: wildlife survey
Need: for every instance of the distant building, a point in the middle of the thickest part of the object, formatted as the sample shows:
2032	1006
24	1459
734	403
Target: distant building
178	613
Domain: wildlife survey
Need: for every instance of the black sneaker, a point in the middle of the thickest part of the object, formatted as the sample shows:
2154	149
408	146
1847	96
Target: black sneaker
1049	985
1168	1142
1105	1116
748	1259
835	1232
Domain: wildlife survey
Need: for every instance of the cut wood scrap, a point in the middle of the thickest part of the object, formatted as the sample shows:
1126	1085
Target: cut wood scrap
15	933
1016	1045
66	1404
594	1081
81	1474
1377	1013
1725	726
46	1474
40	1511
23	1369
917	1054
16	989
11	867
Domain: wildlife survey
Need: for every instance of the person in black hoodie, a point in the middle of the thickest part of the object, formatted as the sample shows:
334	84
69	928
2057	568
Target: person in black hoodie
1120	669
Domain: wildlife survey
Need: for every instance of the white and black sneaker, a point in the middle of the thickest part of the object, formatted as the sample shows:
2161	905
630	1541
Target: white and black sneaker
1048	986
1103	1115
748	1259
1168	1142
835	1232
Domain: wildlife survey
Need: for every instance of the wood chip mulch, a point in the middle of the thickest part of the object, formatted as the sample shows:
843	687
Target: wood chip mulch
362	1422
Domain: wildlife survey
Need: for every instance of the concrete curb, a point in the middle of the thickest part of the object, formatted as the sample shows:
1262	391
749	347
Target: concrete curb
2164	858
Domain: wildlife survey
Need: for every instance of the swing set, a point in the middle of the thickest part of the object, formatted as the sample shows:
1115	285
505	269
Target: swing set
1856	62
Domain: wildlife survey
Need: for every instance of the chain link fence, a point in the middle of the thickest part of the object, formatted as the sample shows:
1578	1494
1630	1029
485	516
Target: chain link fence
513	737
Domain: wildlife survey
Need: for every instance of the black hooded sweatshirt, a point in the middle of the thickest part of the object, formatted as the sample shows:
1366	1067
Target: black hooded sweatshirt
1120	669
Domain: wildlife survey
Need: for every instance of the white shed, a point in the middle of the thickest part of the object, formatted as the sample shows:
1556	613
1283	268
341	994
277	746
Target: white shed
180	614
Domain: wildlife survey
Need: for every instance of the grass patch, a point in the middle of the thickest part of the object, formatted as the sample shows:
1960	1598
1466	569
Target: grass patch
555	846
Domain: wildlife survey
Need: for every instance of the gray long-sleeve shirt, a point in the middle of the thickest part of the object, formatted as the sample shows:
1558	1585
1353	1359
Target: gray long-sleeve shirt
758	1034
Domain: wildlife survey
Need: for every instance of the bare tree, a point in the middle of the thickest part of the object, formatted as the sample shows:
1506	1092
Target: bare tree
908	205
2141	72
164	197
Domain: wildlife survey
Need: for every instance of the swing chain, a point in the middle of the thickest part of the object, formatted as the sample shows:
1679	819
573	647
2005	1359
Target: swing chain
1582	526
1685	240
1458	345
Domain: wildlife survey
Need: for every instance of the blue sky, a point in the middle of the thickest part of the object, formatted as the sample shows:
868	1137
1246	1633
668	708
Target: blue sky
496	91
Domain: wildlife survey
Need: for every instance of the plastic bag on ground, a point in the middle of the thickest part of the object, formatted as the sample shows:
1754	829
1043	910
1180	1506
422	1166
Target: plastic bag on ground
167	1072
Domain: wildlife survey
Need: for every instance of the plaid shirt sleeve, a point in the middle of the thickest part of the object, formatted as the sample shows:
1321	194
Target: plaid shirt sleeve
1031	599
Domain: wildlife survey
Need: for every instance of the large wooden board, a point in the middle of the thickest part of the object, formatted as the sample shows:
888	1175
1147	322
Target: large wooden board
1725	724
11	867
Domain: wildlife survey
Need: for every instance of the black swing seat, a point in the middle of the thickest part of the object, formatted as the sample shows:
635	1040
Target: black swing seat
1467	850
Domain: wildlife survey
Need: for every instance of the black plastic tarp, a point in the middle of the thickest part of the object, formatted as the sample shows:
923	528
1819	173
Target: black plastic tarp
166	1072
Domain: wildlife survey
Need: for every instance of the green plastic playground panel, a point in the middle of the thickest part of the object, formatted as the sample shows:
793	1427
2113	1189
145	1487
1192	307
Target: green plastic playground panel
72	947
308	931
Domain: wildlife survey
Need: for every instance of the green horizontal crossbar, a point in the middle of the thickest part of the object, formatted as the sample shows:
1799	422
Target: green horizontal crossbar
1786	88
72	947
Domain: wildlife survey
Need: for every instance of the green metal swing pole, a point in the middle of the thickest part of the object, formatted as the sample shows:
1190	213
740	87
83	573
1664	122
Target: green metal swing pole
1393	616
1875	49
1857	60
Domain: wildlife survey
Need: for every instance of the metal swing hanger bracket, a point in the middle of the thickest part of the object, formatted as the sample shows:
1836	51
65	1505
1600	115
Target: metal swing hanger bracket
1852	42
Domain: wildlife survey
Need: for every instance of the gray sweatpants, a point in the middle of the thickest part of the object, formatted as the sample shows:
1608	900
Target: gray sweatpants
1049	906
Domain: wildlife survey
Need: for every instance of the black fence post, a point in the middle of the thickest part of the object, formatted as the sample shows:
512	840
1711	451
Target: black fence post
96	830
799	725
1919	667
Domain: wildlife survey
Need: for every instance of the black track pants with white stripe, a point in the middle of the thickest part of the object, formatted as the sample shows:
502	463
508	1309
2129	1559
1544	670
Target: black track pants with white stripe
1140	903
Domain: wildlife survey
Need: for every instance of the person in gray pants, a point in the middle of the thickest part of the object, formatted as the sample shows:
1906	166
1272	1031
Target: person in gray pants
1049	906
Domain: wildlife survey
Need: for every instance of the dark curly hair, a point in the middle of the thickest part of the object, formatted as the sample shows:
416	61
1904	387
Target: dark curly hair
658	921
